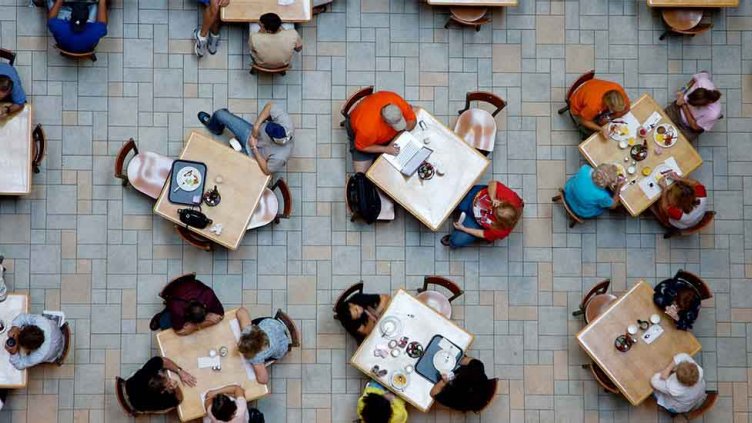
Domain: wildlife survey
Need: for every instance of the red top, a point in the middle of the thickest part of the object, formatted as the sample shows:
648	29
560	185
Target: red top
368	125
484	212
182	292
676	213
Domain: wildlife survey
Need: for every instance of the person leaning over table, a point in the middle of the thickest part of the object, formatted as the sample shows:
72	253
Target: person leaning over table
189	306
358	315
36	339
680	387
272	42
226	405
491	212
372	125
76	31
269	140
587	192
697	110
683	204
680	300
261	340
596	102
11	91
377	405
151	390
467	388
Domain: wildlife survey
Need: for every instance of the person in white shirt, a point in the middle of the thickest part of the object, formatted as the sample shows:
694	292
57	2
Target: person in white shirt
226	405
680	387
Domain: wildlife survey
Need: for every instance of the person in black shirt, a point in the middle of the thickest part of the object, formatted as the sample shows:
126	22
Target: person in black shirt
468	389
150	389
680	300
358	315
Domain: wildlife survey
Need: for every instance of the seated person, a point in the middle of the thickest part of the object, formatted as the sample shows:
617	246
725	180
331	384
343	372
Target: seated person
11	91
272	43
587	193
76	34
35	339
680	387
226	405
596	102
189	306
466	389
261	340
358	315
697	110
680	300
683	204
151	390
269	140
491	212
372	125
207	36
377	405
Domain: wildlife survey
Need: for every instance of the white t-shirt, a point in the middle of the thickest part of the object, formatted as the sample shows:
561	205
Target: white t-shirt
672	395
241	415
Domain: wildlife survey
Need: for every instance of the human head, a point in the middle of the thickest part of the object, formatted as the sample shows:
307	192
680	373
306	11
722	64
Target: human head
615	101
160	382
605	175
683	196
195	312
6	86
31	337
253	342
472	387
702	97
352	317
685	298
277	133
271	22
507	216
687	373
376	409
79	16
392	115
223	408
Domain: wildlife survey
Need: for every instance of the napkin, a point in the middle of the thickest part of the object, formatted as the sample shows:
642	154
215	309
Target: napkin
631	122
653	191
652	334
207	362
235	328
653	119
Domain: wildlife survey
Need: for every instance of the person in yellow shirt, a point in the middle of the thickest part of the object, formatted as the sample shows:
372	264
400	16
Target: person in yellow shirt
377	405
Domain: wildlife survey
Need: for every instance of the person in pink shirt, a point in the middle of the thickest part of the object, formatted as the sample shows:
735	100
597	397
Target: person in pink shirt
697	107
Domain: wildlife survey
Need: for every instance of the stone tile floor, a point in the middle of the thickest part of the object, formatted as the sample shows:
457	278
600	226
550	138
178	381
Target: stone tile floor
83	244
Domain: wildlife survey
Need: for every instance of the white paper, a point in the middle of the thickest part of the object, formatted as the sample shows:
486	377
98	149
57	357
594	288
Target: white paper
653	191
632	123
207	362
653	333
653	119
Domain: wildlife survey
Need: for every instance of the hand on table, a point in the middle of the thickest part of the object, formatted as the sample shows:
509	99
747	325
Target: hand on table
187	378
392	149
213	318
672	311
605	131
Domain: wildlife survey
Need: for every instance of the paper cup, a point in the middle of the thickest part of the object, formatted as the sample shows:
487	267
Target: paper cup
655	319
632	329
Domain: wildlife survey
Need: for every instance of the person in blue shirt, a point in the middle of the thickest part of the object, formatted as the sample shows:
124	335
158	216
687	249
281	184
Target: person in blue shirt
77	34
12	95
587	192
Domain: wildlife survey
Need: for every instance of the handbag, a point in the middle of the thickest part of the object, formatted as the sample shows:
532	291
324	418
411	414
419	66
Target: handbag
195	218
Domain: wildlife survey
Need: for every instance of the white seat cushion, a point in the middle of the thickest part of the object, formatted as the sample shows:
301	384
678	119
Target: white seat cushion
266	210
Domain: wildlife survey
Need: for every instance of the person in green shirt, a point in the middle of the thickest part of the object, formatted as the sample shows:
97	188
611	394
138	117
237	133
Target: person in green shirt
377	405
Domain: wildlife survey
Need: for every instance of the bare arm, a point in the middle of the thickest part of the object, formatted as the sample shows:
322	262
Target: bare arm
691	119
210	320
262	116
244	319
667	371
102	12
262	376
52	13
187	329
438	387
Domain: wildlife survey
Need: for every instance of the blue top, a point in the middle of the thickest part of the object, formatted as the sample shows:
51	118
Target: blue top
50	349
17	95
584	197
82	42
279	341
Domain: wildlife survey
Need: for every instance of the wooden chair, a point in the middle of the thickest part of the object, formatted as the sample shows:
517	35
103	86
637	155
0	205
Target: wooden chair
706	220
476	126
267	211
291	327
352	100
147	171
386	213
65	329
8	55
710	399
256	68
194	239
71	55
468	16
573	218
684	21
595	301
40	146
702	288
602	378
345	295
437	300
123	399
585	77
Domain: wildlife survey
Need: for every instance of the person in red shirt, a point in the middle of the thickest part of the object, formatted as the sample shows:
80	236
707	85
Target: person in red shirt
596	102
372	125
491	212
189	306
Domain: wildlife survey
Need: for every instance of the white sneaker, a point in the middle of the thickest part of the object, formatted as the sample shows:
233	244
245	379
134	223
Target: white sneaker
213	43
200	47
235	144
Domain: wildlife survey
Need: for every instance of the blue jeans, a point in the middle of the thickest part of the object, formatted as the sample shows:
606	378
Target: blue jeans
459	239
165	320
65	11
240	127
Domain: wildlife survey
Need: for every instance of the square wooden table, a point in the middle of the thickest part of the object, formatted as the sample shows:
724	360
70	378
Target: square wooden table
432	201
251	10
10	377
631	371
243	182
16	149
487	3
419	323
185	351
693	3
598	150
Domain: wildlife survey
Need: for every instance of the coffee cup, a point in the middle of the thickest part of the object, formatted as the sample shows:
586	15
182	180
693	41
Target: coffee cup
655	319
632	329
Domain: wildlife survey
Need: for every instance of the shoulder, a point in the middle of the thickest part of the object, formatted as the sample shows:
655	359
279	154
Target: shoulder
57	25
99	28
700	190
674	212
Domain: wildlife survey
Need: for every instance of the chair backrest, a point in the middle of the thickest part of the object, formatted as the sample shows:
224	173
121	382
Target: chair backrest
120	392
290	324
281	70
357	287
286	198
65	329
469	15
706	220
697	282
40	145
599	288
193	239
486	96
8	55
569	211
176	280
443	282
87	55
354	98
602	378
585	77
120	158
710	399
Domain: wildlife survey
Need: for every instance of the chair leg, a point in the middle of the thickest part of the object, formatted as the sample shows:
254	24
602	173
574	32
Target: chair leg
477	28
556	199
283	73
446	25
578	312
93	57
563	109
572	222
663	36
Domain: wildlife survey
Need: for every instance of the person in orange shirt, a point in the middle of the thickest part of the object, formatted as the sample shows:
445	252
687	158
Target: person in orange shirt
596	102
372	125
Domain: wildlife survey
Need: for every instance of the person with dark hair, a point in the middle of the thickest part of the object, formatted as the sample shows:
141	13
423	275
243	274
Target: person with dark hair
596	102
189	306
207	36
358	315
696	108
377	405
680	300
466	389
150	389
36	340
272	42
11	91
77	26
680	387
261	340
682	204
226	405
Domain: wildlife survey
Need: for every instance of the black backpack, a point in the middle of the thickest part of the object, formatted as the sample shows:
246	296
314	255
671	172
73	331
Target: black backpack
363	198
255	416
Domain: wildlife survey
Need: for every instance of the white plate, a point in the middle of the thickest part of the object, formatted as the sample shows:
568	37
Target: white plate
670	129
390	327
618	131
444	361
188	178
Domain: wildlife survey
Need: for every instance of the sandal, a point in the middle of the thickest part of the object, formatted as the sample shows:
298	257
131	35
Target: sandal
445	240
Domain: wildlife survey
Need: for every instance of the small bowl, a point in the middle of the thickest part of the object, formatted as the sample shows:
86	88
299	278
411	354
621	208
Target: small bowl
632	329
631	170
623	144
646	171
409	368
396	352
655	319
223	351
212	353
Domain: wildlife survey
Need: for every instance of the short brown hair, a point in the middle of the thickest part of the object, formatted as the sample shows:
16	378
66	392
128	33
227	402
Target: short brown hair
253	342
507	216
687	373
31	337
683	196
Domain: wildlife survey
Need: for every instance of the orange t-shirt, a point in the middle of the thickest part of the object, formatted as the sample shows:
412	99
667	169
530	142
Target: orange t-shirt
368	125
587	101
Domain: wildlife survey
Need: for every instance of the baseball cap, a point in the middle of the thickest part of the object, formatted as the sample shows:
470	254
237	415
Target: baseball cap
277	133
393	116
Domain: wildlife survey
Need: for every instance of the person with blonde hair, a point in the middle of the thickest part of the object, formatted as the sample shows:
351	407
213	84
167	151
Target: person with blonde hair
261	340
596	102
587	194
491	213
680	387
